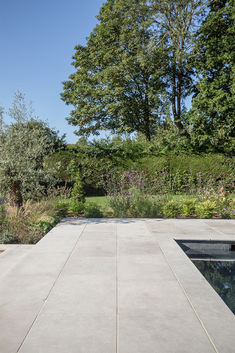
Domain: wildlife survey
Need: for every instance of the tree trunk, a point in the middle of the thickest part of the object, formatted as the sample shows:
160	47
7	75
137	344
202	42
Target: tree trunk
16	195
176	97
148	133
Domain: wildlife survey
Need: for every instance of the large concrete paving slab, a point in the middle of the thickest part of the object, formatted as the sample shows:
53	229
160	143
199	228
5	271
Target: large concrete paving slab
113	286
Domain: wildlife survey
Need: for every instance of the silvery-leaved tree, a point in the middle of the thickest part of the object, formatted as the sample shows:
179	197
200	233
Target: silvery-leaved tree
24	144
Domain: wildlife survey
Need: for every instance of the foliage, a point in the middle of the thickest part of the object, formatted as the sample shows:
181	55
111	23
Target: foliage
61	208
29	223
175	21
44	225
178	172
117	85
121	82
7	237
137	204
76	207
172	209
212	116
134	204
23	147
206	209
116	182
57	164
188	207
141	62
135	58
78	189
92	210
130	194
228	213
3	213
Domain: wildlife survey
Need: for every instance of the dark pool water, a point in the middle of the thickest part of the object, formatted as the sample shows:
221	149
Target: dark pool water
221	276
216	261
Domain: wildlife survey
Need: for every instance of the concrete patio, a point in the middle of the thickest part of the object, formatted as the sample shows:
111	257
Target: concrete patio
113	286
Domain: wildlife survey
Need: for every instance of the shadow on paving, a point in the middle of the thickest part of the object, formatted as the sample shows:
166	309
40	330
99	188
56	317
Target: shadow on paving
75	221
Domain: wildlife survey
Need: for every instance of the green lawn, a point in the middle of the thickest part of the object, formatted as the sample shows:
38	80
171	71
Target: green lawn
103	201
99	200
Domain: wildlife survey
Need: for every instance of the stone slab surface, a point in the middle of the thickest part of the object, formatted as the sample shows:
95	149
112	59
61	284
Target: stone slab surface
113	286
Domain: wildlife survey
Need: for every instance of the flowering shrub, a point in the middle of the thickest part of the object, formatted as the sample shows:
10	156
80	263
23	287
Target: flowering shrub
134	204
117	182
227	213
134	193
130	194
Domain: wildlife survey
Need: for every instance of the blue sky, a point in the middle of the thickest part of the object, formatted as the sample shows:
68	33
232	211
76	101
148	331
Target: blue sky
37	40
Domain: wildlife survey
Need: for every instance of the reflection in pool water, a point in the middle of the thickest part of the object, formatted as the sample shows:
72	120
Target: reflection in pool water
221	276
216	261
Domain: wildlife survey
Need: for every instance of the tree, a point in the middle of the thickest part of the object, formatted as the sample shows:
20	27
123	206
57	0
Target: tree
23	147
118	80
1	118
176	21
213	106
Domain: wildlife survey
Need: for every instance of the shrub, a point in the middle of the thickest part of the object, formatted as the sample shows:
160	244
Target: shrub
146	207
76	207
172	209
228	212
225	214
188	207
116	183
3	214
78	189
33	238
206	209
134	203
61	208
45	224
120	205
92	210
29	223
7	237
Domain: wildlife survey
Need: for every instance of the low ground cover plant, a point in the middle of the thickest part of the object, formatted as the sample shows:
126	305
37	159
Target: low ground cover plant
189	207
92	210
206	209
172	209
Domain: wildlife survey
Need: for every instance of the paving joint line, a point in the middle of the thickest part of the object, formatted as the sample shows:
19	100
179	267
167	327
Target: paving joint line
190	303
117	294
219	232
52	287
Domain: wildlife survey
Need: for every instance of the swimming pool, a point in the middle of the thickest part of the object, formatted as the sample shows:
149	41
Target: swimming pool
216	261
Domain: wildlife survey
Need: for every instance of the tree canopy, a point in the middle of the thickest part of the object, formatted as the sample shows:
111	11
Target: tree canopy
118	83
212	116
141	62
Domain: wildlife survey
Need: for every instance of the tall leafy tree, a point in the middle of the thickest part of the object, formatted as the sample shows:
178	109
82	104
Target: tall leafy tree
212	116
118	80
176	21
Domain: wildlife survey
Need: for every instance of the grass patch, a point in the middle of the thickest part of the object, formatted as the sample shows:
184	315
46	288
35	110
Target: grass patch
99	200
